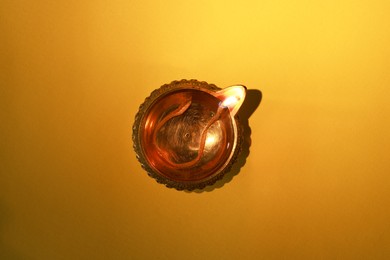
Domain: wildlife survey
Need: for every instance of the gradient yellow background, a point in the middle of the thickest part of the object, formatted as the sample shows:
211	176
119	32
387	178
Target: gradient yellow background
316	184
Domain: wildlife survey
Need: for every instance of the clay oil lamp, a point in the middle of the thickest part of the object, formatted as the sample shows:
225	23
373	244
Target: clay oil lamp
186	134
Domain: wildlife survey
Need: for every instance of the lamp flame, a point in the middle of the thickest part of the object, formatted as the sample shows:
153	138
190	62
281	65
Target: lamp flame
229	101
232	98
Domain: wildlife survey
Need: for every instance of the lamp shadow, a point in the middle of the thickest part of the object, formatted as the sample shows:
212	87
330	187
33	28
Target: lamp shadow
251	103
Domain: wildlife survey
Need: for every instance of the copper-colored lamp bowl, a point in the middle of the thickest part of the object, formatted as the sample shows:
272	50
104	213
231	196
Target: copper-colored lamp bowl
186	135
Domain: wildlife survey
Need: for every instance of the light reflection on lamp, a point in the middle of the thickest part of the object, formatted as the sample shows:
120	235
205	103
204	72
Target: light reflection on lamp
210	140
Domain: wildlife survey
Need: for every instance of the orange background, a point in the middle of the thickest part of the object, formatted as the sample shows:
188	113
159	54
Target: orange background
316	184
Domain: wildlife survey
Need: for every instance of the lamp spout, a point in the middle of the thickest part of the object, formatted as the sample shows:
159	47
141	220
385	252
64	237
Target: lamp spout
232	98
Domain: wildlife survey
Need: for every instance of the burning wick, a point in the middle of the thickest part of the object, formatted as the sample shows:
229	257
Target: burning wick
232	98
230	102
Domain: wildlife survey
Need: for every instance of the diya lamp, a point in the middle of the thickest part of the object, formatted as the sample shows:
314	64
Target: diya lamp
186	134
